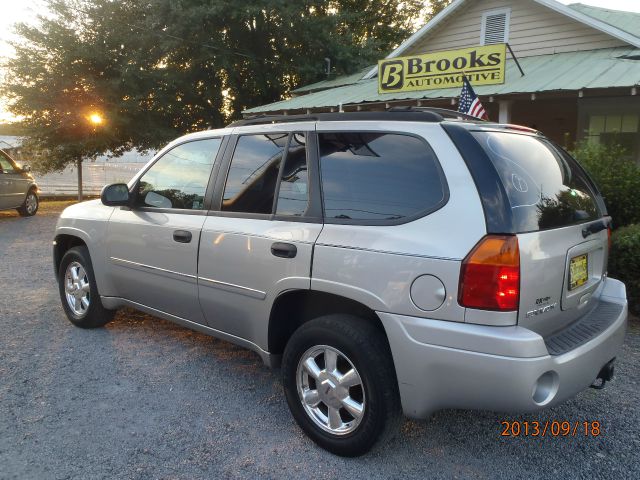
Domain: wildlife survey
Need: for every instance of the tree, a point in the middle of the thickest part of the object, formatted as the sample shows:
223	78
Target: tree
436	6
72	68
154	69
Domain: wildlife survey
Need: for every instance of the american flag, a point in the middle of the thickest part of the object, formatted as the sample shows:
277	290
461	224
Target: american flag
470	103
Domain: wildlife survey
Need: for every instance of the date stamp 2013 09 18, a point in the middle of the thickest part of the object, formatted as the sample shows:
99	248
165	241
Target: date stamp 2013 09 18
551	428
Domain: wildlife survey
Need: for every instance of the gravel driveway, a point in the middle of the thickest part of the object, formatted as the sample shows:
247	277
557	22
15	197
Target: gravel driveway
143	398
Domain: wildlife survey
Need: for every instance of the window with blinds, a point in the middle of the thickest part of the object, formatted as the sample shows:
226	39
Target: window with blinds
495	26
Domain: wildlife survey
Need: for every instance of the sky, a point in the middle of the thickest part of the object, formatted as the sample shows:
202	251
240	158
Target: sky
12	11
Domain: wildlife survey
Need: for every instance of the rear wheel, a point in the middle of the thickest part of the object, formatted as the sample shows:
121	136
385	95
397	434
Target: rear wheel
30	205
78	290
340	383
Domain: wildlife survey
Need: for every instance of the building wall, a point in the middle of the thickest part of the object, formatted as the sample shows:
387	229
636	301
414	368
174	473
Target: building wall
613	120
534	30
556	118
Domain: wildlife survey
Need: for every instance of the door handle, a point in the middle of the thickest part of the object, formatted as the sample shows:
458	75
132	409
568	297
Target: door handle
182	236
284	250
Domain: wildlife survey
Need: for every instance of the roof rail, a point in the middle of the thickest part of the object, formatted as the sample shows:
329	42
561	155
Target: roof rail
263	118
444	112
426	115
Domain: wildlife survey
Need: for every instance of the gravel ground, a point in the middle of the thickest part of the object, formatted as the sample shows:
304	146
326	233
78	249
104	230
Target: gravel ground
143	398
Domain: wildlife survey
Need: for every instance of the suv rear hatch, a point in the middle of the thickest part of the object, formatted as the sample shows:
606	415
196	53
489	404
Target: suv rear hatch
560	221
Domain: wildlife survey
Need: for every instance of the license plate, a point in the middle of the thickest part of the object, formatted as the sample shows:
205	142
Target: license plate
578	271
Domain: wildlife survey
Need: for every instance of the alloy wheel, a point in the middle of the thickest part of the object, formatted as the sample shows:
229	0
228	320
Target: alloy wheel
31	203
330	389
77	289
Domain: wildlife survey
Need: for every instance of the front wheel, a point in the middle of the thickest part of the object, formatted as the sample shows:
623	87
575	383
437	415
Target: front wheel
30	205
78	290
340	383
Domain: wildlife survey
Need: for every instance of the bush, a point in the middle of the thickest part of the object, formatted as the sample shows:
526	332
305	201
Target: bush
624	262
617	178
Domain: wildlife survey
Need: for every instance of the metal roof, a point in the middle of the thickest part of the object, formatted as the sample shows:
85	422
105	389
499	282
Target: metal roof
626	21
334	82
10	141
605	68
594	21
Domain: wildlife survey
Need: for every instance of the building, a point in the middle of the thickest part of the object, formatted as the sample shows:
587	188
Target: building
581	68
11	145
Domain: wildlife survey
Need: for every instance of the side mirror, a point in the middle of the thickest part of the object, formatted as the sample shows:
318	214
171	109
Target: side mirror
115	195
26	168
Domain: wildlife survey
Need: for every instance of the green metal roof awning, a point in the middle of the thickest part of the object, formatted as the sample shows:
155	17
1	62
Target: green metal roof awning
335	82
605	68
627	21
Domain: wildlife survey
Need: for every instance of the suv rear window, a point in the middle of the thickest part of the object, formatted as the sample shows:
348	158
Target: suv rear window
375	176
545	186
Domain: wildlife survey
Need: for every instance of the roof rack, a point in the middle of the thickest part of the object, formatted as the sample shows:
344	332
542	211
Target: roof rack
263	118
413	114
444	112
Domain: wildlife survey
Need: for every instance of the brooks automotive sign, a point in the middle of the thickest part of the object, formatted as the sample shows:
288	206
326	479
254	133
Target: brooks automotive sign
482	66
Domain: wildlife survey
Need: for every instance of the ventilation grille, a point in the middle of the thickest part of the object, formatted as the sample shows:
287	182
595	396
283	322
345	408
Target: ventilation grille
495	28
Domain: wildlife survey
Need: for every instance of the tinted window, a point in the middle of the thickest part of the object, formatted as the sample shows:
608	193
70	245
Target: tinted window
179	178
253	175
545	186
378	176
293	196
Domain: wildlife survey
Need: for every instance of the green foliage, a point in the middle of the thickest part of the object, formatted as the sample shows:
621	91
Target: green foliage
436	6
617	177
624	262
160	68
562	209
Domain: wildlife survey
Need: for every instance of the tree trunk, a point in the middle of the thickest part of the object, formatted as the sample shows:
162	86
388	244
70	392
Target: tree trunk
80	179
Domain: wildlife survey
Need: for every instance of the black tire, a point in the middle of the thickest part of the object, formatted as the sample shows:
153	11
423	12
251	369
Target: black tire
27	209
95	315
367	349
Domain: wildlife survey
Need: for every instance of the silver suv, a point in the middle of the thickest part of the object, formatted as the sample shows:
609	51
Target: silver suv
18	189
400	261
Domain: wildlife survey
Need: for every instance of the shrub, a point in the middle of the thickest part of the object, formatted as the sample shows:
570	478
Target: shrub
624	262
617	178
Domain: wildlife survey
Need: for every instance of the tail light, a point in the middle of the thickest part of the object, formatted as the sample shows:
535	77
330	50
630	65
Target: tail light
609	236
490	275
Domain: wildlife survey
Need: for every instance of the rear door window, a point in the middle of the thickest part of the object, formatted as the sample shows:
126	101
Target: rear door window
293	192
376	176
264	167
546	188
253	174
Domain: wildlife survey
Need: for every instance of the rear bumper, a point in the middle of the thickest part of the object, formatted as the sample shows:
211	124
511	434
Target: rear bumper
456	365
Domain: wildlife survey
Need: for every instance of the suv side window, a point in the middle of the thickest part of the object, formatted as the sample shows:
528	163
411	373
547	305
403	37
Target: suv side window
293	193
180	177
376	176
253	173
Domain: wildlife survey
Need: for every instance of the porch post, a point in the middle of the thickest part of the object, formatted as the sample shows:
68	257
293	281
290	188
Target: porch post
504	112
